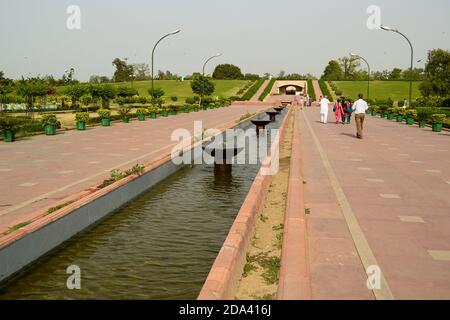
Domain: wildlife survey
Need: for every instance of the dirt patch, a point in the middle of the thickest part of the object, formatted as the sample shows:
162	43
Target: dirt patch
259	280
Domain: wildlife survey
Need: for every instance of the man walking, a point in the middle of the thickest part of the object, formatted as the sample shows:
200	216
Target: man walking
360	107
324	106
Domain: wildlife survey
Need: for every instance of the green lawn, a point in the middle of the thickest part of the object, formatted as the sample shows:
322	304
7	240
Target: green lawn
396	90
224	88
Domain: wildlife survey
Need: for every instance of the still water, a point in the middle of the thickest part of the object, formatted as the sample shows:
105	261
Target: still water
160	246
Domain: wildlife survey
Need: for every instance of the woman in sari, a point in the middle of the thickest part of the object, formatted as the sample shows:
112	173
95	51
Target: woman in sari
338	110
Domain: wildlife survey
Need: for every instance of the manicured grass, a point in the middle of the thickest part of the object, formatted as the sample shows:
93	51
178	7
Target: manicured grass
224	88
383	90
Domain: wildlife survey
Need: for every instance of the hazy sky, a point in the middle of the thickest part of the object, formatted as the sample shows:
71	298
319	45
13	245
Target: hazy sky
257	35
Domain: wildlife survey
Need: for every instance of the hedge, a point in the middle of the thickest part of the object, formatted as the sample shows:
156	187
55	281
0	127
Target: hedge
267	90
311	92
325	91
253	89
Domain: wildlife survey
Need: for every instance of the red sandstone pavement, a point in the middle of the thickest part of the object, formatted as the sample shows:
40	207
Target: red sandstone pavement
397	183
38	172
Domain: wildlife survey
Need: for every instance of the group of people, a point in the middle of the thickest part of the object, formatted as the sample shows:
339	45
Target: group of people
343	110
303	101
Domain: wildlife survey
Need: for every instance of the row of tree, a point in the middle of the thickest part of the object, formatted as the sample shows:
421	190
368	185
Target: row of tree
349	68
435	78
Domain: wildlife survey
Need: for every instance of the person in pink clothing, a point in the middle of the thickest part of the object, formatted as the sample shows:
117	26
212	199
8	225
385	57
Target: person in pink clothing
338	110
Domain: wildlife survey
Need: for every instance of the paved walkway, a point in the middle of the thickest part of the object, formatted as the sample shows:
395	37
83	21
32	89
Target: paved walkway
38	172
379	201
260	91
317	90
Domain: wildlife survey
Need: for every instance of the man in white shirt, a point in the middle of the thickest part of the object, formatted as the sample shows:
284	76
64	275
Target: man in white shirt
360	107
324	105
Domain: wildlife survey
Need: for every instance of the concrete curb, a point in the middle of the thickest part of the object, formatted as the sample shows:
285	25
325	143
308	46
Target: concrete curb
223	278
294	283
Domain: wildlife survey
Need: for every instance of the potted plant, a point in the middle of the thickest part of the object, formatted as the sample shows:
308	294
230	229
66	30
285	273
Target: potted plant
383	110
195	107
173	110
375	110
9	126
105	116
125	114
141	112
437	120
164	111
390	113
410	114
50	123
211	106
82	119
400	113
187	108
153	111
422	117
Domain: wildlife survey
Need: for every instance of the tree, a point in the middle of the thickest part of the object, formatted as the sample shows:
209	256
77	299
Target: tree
227	72
141	71
417	74
99	79
349	66
76	91
123	70
437	72
281	74
203	86
105	92
396	74
333	71
31	89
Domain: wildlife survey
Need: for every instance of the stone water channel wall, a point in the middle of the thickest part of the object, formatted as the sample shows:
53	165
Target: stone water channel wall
26	245
223	279
294	282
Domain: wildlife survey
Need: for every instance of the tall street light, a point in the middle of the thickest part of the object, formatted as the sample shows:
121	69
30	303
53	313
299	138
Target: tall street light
368	71
215	56
385	28
153	54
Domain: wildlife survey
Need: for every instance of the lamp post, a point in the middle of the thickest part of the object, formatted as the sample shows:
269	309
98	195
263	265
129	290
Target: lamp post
153	54
206	62
368	72
385	28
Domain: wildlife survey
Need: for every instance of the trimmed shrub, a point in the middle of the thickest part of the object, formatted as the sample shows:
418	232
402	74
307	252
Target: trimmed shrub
438	118
267	90
253	89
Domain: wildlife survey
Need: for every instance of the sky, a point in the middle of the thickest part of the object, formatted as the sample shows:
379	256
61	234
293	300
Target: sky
259	36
